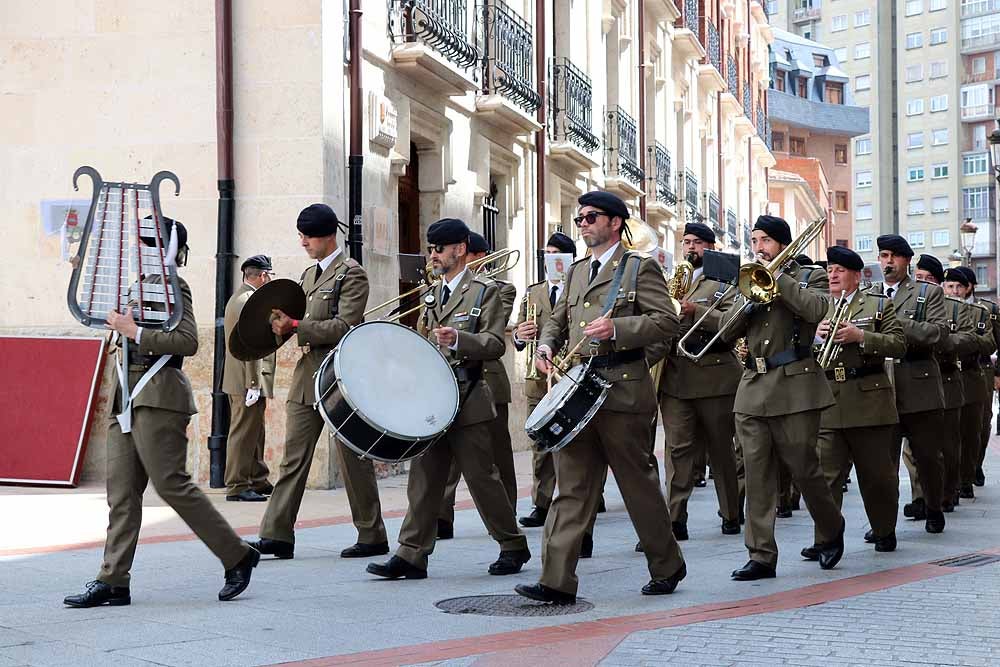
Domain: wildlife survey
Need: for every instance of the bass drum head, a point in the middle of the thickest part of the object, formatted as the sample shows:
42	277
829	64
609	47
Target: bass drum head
397	380
555	398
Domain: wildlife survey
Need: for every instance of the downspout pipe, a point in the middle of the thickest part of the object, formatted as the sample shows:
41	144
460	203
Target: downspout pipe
356	159
540	69
224	255
641	9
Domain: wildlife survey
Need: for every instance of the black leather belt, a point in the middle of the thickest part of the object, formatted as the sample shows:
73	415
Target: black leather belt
841	374
985	361
470	374
949	367
918	355
175	361
612	359
968	363
765	364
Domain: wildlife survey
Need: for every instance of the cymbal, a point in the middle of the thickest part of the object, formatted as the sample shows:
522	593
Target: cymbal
252	337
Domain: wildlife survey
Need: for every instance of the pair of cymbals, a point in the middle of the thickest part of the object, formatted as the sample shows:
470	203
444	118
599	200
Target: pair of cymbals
252	337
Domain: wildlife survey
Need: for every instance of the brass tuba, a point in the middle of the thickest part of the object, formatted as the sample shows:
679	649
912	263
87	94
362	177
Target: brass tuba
680	282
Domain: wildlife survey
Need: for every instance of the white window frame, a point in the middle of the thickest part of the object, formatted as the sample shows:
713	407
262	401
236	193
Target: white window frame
914	40
938	36
863	179
861	144
940	170
838	23
940	238
979	161
915	174
863	212
979	65
940	204
917	239
937	5
840	54
939	103
914	72
862	50
916	207
935	134
914	7
915	107
867	82
910	145
862	18
942	65
864	243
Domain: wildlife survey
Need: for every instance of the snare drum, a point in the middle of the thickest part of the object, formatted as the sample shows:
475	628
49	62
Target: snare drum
567	408
386	391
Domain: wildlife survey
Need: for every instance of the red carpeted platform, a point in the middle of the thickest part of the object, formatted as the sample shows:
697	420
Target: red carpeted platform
47	390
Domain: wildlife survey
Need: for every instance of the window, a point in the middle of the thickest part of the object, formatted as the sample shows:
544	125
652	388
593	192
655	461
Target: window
802	87
914	7
914	40
840	200
797	146
976	202
978	137
939	36
937	5
915	107
939	204
915	207
839	23
840	153
939	103
982	276
863	82
939	170
835	93
914	72
864	242
863	146
862	18
975	165
840	54
914	140
940	237
916	239
771	8
863	179
914	174
976	100
820	60
939	137
779	81
863	212
862	50
979	65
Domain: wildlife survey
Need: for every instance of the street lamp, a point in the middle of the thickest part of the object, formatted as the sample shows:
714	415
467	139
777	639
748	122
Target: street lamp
967	232
994	154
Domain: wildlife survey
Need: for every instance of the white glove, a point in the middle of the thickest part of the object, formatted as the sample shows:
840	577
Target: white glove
253	395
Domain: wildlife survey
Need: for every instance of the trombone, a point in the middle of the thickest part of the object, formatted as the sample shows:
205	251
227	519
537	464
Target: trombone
757	283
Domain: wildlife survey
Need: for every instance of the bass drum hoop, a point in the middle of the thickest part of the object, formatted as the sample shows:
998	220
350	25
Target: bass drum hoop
582	423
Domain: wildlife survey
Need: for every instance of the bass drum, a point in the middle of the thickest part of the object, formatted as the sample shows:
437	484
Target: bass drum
387	392
567	408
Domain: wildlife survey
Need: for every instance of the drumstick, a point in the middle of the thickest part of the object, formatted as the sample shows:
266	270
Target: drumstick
569	355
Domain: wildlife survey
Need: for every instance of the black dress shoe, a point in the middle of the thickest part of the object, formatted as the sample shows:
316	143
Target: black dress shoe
277	548
831	552
99	593
796	504
543	593
665	586
446	530
680	530
810	553
753	571
265	489
730	526
885	544
396	568
980	477
917	510
509	562
843	487
935	521
601	506
870	536
587	546
248	496
783	512
700	483
947	506
966	492
238	578
536	519
362	550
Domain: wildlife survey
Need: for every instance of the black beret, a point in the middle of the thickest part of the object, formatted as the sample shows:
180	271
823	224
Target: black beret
970	274
932	265
803	260
262	262
563	242
845	257
477	243
148	236
957	275
895	244
609	203
704	232
317	220
447	231
774	227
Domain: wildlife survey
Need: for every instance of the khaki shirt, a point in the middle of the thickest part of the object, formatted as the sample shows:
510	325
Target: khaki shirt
538	295
494	372
976	323
948	350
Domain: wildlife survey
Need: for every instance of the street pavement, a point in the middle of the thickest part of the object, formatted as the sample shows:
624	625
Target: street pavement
319	609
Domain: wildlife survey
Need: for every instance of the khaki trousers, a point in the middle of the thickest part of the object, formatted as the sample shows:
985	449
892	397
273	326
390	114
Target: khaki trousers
951	456
972	438
790	439
543	469
245	468
469	447
503	458
156	451
694	429
610	439
925	434
987	420
870	449
303	427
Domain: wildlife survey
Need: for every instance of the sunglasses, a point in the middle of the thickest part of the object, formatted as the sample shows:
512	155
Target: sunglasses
590	218
439	248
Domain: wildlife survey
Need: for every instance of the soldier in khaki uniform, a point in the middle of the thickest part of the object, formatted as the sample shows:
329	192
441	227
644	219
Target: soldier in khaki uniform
336	289
155	450
466	321
779	405
495	375
696	397
992	372
919	395
859	427
248	384
642	314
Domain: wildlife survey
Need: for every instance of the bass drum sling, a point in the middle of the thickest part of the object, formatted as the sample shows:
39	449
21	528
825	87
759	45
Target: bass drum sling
567	408
387	392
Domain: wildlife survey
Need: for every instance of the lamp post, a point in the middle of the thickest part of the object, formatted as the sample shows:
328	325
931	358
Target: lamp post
994	154
967	232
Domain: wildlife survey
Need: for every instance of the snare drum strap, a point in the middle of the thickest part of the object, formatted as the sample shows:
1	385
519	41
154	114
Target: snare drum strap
616	282
338	284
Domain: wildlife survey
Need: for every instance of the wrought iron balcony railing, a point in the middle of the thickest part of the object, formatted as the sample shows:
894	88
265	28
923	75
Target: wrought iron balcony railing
747	241
661	178
747	100
621	146
689	192
713	45
714	213
731	236
505	40
570	105
732	76
761	123
441	24
690	10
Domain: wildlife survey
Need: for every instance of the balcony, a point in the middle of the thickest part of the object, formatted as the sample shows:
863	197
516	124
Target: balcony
431	44
688	185
660	197
571	113
983	42
989	76
508	97
806	14
710	70
729	100
731	226
972	8
687	33
714	213
621	165
743	125
979	112
747	241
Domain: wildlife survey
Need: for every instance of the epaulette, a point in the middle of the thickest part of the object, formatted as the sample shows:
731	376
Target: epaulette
351	263
871	291
540	282
954	298
581	260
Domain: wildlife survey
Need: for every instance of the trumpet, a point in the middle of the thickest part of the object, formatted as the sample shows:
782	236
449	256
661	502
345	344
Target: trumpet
531	372
757	283
829	350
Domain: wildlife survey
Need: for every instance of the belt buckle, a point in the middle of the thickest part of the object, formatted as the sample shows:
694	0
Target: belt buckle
958	365
840	374
304	349
761	364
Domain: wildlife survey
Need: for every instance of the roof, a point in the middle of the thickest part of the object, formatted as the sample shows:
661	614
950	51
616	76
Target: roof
820	117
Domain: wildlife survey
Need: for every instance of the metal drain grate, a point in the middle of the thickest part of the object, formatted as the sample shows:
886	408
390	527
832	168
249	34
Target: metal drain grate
968	560
509	605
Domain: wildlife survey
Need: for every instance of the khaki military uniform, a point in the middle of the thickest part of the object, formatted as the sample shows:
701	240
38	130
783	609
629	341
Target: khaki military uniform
156	451
992	371
978	388
781	396
467	442
860	426
325	322
618	435
495	375
696	404
245	467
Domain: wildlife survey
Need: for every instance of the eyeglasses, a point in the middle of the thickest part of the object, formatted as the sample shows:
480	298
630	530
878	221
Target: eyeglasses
439	248
590	218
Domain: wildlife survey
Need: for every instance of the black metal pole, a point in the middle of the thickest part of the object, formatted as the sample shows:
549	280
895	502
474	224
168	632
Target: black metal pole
356	159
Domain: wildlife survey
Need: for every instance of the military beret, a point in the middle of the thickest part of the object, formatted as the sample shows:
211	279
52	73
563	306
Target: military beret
803	260
774	227
895	244
609	203
845	257
970	274
704	232
477	243
563	243
148	235
957	275
317	220
262	262
447	231
932	265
